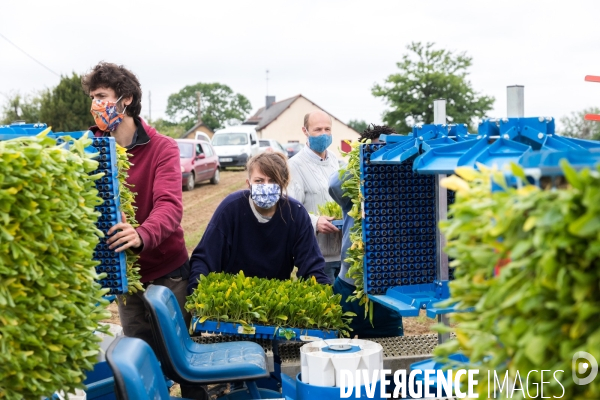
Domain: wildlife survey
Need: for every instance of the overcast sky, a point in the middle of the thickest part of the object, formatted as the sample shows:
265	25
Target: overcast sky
332	52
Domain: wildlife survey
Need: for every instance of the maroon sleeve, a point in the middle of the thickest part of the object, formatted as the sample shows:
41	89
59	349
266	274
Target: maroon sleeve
167	209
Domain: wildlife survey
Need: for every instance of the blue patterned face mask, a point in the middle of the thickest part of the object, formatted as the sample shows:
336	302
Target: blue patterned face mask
265	195
319	143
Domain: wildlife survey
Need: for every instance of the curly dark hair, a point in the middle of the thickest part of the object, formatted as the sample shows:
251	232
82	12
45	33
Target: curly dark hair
374	131
117	78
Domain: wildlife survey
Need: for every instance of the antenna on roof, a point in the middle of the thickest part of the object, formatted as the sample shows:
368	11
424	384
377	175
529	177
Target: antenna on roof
267	82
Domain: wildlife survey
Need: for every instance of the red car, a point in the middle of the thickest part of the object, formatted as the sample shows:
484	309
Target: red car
199	162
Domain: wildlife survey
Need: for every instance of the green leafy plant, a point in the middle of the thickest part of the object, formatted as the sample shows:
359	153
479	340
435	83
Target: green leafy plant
127	198
330	209
252	300
527	260
351	183
50	301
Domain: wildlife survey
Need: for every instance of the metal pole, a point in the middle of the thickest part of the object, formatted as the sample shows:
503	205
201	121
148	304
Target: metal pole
515	101
441	209
439	111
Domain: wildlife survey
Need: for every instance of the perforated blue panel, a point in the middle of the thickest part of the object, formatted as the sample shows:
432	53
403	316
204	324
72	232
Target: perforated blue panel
112	263
398	225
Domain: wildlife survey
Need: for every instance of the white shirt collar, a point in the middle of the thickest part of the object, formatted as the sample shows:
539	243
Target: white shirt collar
261	218
315	155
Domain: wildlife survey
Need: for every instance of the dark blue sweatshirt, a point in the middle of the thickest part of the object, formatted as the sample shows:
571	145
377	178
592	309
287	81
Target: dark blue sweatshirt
234	241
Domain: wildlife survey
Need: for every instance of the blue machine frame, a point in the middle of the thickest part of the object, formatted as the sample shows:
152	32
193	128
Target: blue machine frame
397	174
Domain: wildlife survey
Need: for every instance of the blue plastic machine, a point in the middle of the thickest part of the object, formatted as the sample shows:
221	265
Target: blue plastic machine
405	268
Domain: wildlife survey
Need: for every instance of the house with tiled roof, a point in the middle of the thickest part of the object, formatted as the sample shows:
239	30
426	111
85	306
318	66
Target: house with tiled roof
198	130
283	121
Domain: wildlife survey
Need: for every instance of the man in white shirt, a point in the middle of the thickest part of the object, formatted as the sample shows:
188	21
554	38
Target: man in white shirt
310	170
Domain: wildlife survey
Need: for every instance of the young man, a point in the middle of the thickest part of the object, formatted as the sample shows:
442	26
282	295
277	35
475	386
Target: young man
310	170
386	322
155	175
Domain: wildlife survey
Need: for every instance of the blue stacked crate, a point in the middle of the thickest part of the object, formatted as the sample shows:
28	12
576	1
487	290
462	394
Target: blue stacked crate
111	263
450	200
398	225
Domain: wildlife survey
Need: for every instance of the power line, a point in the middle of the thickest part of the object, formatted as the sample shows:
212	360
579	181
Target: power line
24	52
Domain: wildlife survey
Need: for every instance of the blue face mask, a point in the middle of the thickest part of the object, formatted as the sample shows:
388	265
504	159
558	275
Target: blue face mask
319	143
265	195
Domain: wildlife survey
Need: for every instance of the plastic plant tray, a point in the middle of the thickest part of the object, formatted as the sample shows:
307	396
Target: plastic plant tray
338	223
500	153
409	300
547	163
433	143
444	159
263	331
113	264
396	152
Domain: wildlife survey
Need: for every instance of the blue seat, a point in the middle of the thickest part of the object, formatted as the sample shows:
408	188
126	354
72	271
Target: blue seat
136	370
191	363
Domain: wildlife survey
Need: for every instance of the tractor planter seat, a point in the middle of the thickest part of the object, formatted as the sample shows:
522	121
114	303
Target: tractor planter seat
191	363
136	370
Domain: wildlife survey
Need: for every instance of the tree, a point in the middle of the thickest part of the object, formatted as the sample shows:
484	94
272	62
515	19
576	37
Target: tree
169	128
66	107
218	104
20	108
427	74
576	126
358	125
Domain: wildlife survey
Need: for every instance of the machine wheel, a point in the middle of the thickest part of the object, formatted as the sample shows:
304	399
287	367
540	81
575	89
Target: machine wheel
191	182
216	177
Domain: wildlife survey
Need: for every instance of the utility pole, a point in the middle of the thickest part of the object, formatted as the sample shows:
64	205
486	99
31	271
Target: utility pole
199	107
149	107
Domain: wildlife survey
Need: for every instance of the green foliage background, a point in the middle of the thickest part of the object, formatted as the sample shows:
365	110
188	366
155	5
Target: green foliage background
66	107
575	125
427	74
358	125
219	104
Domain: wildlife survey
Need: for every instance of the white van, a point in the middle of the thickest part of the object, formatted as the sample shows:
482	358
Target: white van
203	137
235	145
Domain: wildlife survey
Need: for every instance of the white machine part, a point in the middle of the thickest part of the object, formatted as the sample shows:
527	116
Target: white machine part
322	361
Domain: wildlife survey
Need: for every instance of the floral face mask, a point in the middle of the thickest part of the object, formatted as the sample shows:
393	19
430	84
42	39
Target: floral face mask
265	195
106	115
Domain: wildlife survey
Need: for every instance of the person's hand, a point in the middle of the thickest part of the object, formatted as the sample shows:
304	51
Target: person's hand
325	226
127	237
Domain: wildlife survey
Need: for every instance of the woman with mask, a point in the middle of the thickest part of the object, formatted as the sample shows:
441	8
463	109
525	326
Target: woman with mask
260	230
155	175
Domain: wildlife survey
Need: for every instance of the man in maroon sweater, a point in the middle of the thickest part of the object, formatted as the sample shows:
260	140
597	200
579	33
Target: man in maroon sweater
156	178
